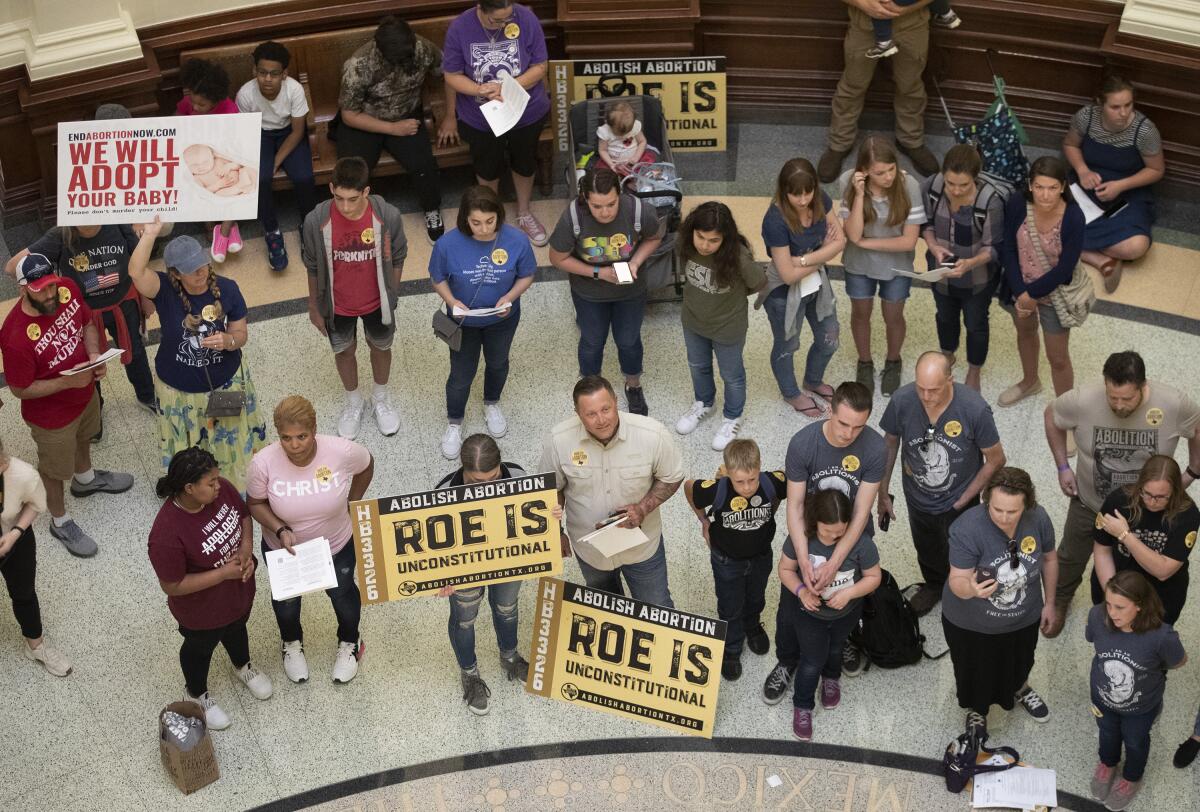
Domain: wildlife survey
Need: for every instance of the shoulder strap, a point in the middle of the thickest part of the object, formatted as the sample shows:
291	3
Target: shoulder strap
937	188
767	482
573	208
1035	238
719	496
637	215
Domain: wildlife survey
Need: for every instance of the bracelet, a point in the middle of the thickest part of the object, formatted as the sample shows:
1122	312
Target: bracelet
1066	466
1122	536
1192	473
283	527
799	589
804	260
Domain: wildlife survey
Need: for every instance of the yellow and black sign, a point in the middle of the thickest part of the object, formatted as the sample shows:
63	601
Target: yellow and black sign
691	89
472	535
626	657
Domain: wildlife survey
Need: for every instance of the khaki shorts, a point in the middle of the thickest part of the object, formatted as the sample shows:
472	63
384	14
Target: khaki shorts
56	447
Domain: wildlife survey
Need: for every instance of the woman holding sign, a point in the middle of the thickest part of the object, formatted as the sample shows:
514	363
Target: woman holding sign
203	320
300	488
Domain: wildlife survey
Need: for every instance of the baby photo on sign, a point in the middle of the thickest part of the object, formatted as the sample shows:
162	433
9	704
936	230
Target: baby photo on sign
219	174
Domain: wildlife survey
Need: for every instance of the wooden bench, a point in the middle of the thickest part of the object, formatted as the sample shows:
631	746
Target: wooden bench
316	63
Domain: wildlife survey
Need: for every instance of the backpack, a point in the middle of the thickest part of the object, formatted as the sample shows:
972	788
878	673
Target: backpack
960	762
637	216
889	633
765	482
990	186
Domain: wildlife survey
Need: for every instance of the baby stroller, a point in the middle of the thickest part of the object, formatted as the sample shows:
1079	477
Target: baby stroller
655	184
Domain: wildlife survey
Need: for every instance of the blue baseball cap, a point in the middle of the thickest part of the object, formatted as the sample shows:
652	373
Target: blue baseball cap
35	272
185	255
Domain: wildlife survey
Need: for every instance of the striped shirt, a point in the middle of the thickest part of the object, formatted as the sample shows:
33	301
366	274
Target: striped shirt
1140	133
986	236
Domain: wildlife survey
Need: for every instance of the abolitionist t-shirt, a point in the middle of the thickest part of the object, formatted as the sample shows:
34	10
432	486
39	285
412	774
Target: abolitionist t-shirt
813	460
741	528
862	556
1127	671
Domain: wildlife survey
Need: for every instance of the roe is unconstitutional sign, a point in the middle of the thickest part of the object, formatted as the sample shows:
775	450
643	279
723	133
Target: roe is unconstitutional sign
626	657
472	535
181	168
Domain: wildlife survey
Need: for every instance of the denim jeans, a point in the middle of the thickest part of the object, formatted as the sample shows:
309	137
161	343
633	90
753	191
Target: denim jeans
299	169
741	595
494	341
821	643
1131	730
347	604
596	318
824	343
647	579
972	309
700	351
787	644
464	608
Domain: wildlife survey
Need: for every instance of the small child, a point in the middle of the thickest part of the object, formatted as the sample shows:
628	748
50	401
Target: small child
942	16
621	142
824	621
737	517
206	92
1134	649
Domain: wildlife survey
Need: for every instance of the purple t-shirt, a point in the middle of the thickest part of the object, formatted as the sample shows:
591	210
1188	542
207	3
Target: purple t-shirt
479	54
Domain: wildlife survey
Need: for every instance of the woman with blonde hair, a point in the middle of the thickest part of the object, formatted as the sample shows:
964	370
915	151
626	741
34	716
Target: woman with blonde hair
203	319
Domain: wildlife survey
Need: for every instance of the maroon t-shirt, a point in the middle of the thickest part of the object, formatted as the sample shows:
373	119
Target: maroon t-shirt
182	543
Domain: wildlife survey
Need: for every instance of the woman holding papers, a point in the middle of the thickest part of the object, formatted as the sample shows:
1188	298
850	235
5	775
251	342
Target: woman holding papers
300	488
483	266
802	232
201	548
1043	237
1117	156
964	230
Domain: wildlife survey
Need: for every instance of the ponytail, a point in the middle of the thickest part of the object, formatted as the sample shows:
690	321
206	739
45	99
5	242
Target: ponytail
186	468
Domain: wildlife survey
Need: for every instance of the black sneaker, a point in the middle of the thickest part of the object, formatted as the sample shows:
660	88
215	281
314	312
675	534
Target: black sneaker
1186	753
277	256
434	227
636	401
865	374
777	683
854	661
731	669
1034	704
475	692
889	381
515	667
757	640
977	725
924	599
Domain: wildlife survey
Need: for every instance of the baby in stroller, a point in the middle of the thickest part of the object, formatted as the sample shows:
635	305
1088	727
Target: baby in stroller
620	141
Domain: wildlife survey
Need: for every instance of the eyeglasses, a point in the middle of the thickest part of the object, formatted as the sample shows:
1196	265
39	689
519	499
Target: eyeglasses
1014	561
929	432
1154	497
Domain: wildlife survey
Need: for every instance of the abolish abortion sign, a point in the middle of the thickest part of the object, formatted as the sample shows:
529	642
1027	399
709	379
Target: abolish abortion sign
181	168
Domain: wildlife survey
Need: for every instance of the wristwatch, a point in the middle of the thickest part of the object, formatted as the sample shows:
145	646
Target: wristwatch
595	272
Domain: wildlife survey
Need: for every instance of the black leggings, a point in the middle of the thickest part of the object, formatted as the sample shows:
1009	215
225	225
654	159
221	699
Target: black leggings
195	655
20	571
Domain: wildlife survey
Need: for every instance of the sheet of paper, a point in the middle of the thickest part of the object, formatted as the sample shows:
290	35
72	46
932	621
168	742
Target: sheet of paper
481	311
104	358
613	539
310	569
1020	788
1090	210
931	276
502	116
810	284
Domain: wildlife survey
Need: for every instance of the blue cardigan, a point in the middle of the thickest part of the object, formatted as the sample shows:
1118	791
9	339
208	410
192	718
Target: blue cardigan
1072	245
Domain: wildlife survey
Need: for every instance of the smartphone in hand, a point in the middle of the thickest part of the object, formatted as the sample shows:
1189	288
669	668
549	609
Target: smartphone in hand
623	272
885	521
983	574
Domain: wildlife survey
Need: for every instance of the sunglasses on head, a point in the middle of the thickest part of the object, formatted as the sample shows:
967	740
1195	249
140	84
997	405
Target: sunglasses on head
1014	560
930	430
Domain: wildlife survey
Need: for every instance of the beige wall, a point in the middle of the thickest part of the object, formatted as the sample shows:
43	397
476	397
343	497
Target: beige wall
153	12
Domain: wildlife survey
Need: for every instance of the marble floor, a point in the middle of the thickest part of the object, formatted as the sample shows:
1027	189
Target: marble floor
89	741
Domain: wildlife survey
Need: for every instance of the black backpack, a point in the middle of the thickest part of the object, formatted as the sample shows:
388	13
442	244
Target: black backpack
765	481
989	186
889	632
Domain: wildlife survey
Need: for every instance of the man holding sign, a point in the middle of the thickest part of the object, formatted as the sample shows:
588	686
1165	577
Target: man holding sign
611	464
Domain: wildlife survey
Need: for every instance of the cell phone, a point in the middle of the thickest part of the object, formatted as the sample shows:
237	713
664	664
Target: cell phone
1115	208
886	521
984	574
624	274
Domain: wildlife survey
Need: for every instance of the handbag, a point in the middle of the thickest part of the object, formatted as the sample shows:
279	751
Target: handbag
1073	301
960	762
224	402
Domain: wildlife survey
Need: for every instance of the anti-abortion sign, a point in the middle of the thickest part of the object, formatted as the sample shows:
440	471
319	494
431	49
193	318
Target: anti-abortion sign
615	654
181	168
473	535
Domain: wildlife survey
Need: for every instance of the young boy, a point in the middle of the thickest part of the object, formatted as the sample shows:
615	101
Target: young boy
280	99
941	15
737	516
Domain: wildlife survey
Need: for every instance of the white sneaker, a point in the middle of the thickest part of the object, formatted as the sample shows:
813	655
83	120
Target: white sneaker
350	420
345	664
452	441
214	717
258	682
726	434
386	416
53	660
294	664
497	425
692	417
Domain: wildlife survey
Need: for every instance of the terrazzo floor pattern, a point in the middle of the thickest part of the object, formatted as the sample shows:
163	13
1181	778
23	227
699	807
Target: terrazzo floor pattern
97	727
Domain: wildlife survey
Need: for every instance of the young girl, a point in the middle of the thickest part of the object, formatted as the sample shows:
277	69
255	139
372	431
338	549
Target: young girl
823	621
621	142
801	232
720	274
208	94
1134	649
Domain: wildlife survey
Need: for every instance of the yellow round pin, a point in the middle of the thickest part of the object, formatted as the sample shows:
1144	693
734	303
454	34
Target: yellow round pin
779	475
952	429
367	236
1154	416
1189	540
512	31
579	457
708	483
80	263
499	256
850	462
64	294
208	312
738	503
323	474
1099	521
1028	545
34	332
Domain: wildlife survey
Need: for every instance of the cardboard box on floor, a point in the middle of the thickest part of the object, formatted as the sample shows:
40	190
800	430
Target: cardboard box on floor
195	768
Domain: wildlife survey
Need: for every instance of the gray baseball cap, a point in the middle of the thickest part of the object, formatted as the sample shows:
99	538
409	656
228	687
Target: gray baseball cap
185	255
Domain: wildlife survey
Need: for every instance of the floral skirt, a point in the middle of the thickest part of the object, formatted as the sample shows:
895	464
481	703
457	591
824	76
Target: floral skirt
232	440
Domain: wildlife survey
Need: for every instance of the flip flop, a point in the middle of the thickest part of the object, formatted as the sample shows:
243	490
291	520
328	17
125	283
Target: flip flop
814	409
823	390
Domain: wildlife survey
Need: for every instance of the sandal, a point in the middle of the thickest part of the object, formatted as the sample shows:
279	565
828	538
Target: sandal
823	390
814	409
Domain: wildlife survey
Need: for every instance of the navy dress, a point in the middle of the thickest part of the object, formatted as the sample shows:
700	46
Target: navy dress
1114	163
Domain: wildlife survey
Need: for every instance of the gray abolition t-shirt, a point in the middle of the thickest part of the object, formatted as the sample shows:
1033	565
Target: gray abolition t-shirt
811	459
976	541
1127	671
604	244
862	556
935	473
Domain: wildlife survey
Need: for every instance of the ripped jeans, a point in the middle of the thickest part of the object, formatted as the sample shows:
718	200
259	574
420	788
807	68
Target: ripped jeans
347	604
464	608
824	343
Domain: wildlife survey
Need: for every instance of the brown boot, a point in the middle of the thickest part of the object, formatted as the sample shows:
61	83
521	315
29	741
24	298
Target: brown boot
924	161
1060	618
830	165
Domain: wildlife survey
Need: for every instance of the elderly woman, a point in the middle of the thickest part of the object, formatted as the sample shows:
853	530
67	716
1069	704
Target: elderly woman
491	38
1117	155
1002	567
203	319
300	488
1148	527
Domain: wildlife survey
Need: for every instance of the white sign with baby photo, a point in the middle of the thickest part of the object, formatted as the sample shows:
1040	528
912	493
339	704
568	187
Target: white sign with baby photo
180	168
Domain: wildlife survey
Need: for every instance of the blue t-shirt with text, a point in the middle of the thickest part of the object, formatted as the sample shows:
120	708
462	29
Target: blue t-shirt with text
480	272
